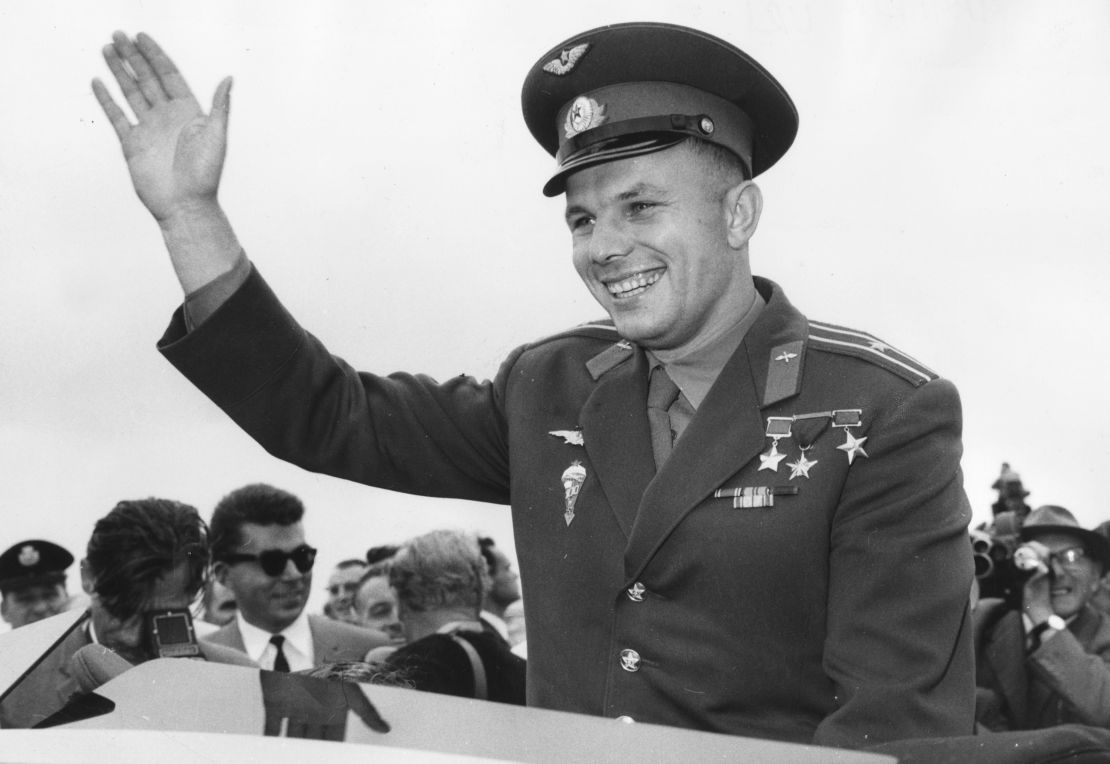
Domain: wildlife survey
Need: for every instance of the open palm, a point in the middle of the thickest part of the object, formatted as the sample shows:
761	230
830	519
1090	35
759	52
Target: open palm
175	152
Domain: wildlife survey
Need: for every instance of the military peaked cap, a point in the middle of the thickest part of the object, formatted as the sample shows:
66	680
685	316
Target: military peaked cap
31	562
629	89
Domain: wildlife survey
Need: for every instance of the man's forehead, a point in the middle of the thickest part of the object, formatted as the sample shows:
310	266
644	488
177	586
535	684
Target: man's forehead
268	536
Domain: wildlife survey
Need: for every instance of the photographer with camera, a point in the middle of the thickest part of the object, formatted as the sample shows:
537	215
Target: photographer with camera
144	565
1044	660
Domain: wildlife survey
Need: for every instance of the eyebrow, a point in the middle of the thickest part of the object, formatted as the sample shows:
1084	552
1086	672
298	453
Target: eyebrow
637	191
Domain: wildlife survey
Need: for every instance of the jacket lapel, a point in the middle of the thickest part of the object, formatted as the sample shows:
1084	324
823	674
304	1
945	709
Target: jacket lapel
728	430
617	437
726	433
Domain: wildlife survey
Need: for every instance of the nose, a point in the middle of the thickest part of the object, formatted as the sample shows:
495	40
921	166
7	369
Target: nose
290	573
609	239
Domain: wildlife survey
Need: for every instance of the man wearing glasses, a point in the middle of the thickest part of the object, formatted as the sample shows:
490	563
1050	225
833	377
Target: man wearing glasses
1048	664
259	552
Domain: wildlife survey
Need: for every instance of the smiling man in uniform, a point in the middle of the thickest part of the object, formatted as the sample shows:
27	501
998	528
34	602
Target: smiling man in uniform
728	517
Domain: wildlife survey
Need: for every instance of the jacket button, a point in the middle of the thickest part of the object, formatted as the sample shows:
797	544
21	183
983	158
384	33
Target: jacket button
630	660
636	592
625	719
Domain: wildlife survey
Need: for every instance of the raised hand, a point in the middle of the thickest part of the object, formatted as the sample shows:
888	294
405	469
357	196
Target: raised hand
175	152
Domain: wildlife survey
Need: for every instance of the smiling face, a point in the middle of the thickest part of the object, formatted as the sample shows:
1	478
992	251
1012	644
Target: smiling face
1071	584
661	240
268	602
33	602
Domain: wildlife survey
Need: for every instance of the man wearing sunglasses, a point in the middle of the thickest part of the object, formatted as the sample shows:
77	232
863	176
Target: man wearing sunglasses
1048	664
260	553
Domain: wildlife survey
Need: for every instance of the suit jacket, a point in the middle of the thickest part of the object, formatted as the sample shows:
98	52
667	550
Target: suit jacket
437	664
1066	680
55	681
332	641
837	615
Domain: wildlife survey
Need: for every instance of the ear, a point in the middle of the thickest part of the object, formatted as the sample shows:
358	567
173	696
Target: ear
219	572
743	205
88	583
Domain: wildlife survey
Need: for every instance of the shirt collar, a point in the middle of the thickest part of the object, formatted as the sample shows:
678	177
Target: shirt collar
695	372
297	635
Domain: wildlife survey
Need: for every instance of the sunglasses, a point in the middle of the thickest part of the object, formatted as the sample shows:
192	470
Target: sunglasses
273	561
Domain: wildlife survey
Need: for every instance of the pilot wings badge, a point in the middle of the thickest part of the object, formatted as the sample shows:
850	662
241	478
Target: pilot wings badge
567	59
570	437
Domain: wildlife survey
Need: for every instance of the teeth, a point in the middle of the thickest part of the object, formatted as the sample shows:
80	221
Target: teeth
636	283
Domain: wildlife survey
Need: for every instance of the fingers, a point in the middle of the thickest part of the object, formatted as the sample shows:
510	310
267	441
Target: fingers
125	80
173	84
221	104
115	114
149	84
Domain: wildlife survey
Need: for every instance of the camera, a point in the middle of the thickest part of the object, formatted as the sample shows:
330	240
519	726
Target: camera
170	634
1003	563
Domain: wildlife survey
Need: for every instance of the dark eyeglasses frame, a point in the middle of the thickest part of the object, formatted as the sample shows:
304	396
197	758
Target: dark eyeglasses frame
273	561
1070	558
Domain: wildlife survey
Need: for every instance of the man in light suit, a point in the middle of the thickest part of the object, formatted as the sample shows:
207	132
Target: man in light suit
145	557
259	552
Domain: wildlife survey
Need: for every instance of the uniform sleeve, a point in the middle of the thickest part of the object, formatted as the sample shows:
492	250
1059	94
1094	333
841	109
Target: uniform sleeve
898	644
401	432
1081	678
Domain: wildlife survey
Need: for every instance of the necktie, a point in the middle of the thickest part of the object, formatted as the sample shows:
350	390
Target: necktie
662	393
280	663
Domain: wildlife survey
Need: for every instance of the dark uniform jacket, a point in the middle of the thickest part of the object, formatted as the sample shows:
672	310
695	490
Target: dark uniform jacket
1065	680
437	663
836	615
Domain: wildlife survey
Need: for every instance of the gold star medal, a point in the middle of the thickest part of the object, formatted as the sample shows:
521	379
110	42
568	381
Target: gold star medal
778	427
846	419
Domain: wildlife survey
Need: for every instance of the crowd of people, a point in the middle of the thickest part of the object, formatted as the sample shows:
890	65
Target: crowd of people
442	612
429	613
1041	609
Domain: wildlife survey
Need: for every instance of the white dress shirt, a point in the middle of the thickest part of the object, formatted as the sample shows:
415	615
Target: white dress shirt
297	646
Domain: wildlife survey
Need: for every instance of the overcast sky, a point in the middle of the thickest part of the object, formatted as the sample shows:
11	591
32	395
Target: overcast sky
948	192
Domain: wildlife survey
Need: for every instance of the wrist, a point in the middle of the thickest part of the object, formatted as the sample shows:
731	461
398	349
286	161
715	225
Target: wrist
201	243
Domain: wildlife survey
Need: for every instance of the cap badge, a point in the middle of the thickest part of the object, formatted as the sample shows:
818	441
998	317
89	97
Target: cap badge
29	556
584	113
567	59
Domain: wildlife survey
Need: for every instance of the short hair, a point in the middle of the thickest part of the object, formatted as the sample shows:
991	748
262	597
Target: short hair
376	554
441	569
139	542
256	503
729	169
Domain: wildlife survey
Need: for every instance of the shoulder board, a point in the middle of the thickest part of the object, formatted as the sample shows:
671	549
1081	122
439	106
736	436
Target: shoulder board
838	339
601	330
